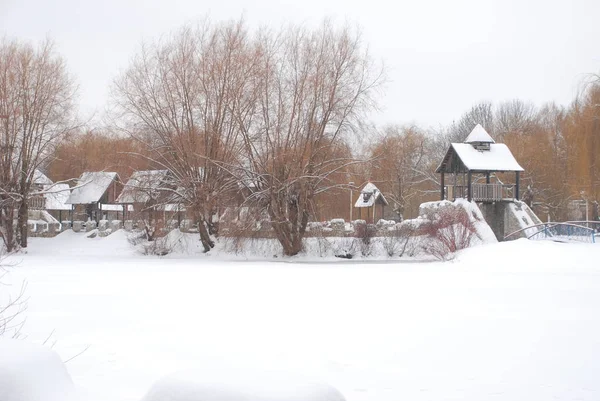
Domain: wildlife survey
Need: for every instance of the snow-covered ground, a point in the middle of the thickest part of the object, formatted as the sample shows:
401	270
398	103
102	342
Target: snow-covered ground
509	321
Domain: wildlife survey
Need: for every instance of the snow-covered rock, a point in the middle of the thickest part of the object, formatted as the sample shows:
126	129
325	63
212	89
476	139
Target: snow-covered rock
30	372
385	223
116	225
240	385
103	225
77	226
90	225
337	224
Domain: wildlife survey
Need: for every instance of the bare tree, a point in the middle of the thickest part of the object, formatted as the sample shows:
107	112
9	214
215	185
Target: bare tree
309	91
481	113
36	105
181	98
514	116
399	166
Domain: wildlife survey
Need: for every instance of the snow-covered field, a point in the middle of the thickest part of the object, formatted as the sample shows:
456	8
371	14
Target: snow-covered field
509	321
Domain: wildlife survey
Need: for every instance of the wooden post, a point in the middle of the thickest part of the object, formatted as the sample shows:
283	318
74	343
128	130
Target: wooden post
487	177
469	194
517	186
442	187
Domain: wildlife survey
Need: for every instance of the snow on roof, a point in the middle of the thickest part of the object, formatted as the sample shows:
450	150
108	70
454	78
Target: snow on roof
498	158
41	178
56	196
479	134
142	186
90	187
369	195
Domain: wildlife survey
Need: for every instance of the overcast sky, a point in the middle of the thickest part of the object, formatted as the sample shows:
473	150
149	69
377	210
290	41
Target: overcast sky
441	56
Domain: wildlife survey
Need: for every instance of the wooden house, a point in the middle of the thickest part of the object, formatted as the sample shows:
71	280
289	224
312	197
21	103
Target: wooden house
94	196
55	201
148	194
39	182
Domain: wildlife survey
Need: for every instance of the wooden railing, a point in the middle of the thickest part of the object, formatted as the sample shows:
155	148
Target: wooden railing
481	192
37	203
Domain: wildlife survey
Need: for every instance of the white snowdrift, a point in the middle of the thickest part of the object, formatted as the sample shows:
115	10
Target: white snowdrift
240	385
30	372
507	321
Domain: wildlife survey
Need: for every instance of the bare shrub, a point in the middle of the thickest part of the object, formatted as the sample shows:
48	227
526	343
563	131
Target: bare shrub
451	229
159	246
322	242
243	231
399	240
11	305
136	237
364	234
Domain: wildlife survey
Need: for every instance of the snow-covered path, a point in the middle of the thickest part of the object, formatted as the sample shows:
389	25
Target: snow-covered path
510	321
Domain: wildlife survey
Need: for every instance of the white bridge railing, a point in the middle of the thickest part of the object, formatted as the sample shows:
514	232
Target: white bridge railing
567	231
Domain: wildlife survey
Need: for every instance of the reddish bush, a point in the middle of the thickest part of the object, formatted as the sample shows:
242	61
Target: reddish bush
450	230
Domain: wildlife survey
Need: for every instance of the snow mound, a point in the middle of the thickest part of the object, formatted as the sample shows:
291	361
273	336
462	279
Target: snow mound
526	222
30	372
231	385
485	234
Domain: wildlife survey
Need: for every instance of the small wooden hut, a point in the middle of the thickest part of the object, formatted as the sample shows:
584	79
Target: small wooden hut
369	199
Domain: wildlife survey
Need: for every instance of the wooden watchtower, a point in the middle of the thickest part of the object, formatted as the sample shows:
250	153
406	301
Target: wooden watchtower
477	157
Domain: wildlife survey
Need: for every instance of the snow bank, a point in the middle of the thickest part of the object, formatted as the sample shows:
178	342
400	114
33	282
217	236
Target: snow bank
240	385
485	234
30	372
507	321
523	218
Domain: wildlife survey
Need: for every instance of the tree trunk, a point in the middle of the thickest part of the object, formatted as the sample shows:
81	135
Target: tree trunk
290	241
7	229
289	229
207	242
22	222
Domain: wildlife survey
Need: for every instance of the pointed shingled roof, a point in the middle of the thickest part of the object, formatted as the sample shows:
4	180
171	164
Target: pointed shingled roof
479	134
372	195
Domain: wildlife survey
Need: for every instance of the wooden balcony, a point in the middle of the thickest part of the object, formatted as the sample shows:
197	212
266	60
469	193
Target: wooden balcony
481	192
37	203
